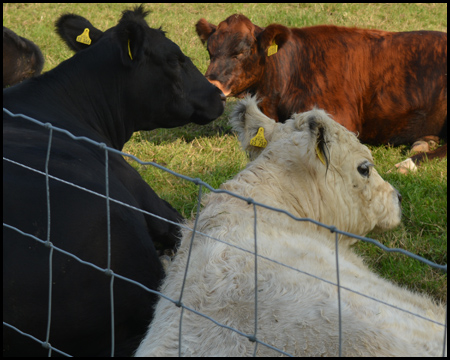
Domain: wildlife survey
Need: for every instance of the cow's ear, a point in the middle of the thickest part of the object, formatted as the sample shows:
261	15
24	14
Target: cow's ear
204	30
315	124
273	38
254	129
77	32
131	36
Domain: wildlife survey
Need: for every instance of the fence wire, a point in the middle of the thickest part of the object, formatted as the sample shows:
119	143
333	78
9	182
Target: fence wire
178	302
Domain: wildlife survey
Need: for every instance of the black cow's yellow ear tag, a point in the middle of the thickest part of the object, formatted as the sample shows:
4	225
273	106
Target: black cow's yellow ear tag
320	154
129	50
259	140
84	37
273	49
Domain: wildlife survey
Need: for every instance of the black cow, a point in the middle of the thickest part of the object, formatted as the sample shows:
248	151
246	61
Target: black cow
22	58
131	77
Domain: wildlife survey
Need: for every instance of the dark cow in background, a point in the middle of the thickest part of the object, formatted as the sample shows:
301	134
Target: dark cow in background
22	58
130	77
388	87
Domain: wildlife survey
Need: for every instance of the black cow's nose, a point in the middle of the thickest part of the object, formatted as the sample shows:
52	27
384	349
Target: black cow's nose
223	98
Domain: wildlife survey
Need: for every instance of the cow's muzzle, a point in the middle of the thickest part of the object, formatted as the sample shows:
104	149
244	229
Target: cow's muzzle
219	85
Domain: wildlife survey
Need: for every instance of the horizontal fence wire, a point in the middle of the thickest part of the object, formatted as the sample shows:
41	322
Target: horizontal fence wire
178	302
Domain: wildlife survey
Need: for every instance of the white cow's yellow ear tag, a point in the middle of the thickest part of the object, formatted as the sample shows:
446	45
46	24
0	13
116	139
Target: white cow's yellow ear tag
84	37
259	140
273	49
320	154
129	50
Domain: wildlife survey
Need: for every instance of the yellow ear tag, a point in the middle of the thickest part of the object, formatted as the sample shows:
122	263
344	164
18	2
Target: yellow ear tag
273	49
129	51
320	154
259	140
84	37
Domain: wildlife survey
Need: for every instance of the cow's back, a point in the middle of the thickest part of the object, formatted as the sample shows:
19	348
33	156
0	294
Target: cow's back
407	98
388	87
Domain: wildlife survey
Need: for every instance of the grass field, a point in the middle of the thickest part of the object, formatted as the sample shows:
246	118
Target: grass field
212	152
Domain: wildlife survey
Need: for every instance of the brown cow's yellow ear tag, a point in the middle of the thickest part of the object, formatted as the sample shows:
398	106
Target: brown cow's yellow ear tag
84	37
320	154
129	51
273	49
259	140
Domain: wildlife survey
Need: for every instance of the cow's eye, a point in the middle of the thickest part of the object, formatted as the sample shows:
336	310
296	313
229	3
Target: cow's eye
364	168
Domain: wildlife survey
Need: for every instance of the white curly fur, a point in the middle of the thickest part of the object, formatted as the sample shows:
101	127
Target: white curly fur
296	313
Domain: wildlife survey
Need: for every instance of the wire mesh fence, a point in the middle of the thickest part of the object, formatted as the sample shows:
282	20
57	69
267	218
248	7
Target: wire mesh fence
178	301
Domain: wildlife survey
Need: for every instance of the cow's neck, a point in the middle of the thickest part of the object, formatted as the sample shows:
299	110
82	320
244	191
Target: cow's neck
263	184
84	107
277	104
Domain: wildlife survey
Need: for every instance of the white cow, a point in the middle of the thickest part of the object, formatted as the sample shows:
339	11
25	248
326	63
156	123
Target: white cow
312	167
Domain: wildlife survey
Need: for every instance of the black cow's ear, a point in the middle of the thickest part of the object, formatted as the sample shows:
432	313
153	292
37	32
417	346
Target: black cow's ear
204	30
131	36
77	32
273	38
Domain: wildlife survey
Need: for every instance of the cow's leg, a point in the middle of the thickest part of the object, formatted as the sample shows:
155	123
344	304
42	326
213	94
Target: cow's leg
423	152
425	143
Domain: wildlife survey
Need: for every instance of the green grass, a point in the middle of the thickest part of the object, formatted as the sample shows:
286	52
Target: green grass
424	226
212	152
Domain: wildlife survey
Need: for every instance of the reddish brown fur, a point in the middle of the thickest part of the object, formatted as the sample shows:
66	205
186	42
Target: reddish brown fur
389	87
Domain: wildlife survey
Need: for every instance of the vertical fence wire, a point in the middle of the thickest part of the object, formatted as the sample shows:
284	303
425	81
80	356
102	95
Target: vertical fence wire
48	243
108	229
445	332
338	290
194	230
254	338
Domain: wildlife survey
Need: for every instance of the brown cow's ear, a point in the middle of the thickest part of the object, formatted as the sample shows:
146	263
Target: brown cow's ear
273	35
204	29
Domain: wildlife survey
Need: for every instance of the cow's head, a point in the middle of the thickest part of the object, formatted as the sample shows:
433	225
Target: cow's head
322	165
238	51
157	85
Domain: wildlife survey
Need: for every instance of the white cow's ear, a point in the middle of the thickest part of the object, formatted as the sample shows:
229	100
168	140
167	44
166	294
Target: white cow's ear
315	124
253	128
320	148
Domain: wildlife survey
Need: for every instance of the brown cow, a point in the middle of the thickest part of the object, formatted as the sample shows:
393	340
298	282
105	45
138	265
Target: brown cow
388	87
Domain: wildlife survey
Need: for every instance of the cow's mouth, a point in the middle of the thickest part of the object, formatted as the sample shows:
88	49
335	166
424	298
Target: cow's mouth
219	85
226	92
